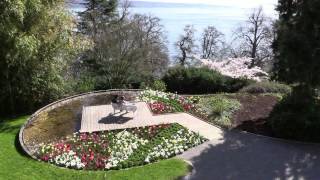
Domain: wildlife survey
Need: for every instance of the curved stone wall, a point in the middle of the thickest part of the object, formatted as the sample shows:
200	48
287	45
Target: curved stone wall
63	117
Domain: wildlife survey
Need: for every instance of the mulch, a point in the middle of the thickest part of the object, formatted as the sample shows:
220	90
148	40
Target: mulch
254	113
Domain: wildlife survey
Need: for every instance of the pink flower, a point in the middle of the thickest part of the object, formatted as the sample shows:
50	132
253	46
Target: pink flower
83	136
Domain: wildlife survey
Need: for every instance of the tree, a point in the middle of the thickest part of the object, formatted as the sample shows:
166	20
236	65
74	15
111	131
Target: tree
186	45
127	51
255	37
297	46
297	52
211	42
236	68
97	15
37	44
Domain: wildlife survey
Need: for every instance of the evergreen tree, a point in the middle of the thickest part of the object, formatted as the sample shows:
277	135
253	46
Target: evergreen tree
97	15
297	50
297	46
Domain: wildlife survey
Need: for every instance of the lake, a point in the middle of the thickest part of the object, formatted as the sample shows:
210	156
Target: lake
174	16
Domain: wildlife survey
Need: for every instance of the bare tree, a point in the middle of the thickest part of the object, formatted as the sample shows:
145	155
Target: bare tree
151	39
186	45
255	37
129	50
211	42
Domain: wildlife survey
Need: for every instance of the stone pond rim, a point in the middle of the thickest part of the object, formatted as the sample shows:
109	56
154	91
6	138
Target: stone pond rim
60	103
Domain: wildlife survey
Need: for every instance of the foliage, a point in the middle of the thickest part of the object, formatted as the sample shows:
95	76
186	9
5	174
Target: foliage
84	83
236	68
37	44
194	80
22	167
161	102
297	117
218	109
119	149
267	87
159	85
297	62
297	44
97	14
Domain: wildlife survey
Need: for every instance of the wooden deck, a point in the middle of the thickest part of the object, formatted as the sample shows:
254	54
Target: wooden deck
101	118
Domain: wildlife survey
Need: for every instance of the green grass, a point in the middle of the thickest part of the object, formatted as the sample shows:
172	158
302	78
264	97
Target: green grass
15	165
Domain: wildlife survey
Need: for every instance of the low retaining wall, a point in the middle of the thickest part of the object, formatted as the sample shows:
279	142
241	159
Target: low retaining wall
62	102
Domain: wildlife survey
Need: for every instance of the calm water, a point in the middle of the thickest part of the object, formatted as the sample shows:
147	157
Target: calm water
174	16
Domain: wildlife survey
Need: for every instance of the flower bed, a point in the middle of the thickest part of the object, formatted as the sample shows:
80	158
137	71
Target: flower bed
119	149
161	102
217	109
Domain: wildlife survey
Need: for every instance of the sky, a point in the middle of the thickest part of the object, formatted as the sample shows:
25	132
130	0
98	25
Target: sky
268	5
246	3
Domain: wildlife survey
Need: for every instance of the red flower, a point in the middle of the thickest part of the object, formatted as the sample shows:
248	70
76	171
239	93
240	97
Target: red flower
45	158
91	156
68	148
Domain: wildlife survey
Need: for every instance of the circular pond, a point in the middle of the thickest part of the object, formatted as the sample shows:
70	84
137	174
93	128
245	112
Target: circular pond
52	135
62	118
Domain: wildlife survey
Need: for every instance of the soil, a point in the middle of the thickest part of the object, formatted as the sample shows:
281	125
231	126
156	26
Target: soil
254	113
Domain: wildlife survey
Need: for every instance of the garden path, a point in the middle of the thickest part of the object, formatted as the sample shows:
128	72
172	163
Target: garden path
246	156
100	118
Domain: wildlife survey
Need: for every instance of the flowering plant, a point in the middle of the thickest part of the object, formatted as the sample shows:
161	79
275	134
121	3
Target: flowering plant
160	108
176	144
236	68
161	102
119	148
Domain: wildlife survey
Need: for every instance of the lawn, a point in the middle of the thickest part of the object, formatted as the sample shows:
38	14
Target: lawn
15	165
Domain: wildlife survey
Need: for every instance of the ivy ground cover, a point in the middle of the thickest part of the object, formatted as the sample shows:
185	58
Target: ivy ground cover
161	102
119	149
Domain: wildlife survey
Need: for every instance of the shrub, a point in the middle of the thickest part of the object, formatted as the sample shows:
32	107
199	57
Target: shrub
159	85
219	109
200	81
267	87
234	84
297	117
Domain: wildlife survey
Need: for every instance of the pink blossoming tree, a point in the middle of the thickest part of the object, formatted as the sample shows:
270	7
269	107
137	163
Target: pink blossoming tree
236	68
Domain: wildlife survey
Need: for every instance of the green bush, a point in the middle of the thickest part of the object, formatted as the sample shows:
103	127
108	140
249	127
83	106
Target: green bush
297	117
267	87
219	109
83	84
200	81
159	85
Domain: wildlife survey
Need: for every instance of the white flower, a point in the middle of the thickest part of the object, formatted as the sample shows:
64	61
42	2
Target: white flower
236	68
147	160
69	160
122	147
